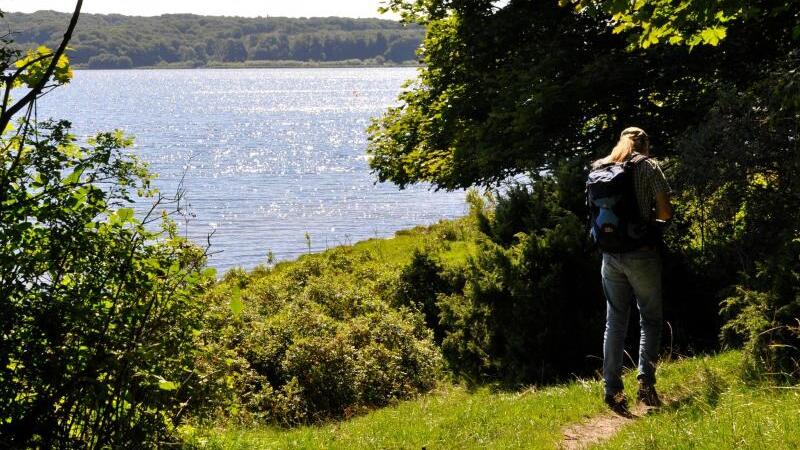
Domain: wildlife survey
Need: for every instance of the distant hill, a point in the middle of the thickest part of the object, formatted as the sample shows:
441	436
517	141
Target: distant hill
117	42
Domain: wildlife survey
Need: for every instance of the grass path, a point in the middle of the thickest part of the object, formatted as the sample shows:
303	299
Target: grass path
714	409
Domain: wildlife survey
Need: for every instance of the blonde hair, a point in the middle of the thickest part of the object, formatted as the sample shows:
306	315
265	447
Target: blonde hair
631	140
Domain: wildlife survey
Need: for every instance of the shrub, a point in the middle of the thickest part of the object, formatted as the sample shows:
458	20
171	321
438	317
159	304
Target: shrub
764	313
318	339
99	310
740	168
531	309
420	284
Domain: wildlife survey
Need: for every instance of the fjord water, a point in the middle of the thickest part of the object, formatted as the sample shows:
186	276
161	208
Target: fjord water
268	155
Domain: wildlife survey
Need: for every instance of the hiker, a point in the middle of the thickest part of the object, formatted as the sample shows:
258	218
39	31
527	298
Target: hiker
629	200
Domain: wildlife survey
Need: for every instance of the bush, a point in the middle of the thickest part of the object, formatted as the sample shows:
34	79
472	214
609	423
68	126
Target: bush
743	213
422	281
531	309
99	311
764	313
317	340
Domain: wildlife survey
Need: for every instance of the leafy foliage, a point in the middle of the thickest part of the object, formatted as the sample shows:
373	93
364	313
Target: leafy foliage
690	22
765	315
687	22
527	86
99	303
748	206
316	339
34	65
423	281
98	309
523	88
529	286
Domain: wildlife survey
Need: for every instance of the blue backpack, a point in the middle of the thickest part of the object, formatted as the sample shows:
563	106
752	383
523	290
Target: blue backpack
616	224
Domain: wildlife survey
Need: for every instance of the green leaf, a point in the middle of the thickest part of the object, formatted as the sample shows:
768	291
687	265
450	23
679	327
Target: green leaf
74	177
713	35
125	214
165	385
236	301
36	62
38	181
676	39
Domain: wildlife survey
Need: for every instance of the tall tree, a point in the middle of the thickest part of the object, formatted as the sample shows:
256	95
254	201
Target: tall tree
533	84
522	87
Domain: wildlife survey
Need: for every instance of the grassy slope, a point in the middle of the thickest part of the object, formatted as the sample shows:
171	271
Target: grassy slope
712	408
397	251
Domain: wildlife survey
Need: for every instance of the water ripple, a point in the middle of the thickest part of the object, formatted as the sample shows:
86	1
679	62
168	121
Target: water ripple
268	154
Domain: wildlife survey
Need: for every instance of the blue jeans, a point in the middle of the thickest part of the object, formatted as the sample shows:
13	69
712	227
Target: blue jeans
627	276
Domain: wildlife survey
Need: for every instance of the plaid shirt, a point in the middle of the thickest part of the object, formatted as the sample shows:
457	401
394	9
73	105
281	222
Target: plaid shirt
648	180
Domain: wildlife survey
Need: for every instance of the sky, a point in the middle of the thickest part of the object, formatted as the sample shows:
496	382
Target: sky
247	8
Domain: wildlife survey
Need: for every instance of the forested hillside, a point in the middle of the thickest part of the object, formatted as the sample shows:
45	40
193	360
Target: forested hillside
116	41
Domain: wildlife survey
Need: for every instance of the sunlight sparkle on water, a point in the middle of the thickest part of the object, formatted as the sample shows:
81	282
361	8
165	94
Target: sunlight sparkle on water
268	154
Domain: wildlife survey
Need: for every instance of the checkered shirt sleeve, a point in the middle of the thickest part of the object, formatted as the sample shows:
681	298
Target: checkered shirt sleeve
649	181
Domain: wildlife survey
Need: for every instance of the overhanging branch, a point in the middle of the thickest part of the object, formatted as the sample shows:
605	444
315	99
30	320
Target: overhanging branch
5	118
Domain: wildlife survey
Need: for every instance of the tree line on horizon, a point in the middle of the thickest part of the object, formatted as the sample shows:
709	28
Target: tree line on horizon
121	42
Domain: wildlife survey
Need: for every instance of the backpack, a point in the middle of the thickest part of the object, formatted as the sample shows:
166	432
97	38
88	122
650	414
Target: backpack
616	224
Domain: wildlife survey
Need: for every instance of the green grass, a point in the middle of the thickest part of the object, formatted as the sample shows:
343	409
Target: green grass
450	418
712	408
718	410
398	250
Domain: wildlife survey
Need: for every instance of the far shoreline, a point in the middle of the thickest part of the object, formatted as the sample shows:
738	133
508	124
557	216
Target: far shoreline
261	65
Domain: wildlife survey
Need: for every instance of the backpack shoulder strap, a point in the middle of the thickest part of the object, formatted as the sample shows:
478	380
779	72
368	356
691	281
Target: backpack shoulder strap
635	160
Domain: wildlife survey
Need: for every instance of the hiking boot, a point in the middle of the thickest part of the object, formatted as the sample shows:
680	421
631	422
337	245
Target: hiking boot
647	394
618	403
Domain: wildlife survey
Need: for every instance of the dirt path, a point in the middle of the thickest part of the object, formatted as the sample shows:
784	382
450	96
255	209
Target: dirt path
599	428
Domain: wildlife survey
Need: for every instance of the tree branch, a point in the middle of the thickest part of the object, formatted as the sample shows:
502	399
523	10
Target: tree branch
34	93
9	80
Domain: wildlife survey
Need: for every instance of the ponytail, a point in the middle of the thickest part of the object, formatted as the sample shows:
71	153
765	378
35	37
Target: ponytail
631	140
